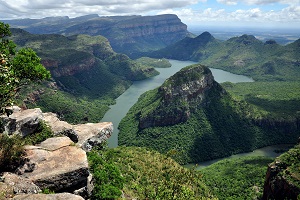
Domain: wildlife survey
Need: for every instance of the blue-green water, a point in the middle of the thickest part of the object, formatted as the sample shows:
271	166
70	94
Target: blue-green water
131	95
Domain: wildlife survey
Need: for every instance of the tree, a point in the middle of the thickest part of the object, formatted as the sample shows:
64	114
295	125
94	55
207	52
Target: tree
16	68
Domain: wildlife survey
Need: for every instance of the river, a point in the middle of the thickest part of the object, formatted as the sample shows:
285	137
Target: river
131	95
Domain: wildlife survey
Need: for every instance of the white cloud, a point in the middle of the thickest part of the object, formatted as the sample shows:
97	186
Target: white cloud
259	2
44	8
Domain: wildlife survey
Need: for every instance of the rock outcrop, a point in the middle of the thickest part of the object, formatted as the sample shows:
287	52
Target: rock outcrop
283	177
179	96
60	196
59	163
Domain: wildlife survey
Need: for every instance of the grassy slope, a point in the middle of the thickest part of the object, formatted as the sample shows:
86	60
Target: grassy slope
150	175
237	178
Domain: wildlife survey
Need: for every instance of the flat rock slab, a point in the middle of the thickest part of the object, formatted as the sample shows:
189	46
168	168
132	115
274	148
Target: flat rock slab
58	165
92	134
60	196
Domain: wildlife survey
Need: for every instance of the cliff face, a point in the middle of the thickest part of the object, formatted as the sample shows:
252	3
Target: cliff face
180	95
283	176
127	34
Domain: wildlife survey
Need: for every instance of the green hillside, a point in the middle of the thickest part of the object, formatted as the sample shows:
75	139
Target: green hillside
84	68
205	125
244	54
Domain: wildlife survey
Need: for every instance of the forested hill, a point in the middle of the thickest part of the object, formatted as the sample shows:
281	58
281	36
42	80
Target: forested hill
88	73
127	34
193	116
242	55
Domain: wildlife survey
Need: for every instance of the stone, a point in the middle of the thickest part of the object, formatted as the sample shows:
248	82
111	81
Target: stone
59	165
60	127
20	185
93	134
60	196
22	122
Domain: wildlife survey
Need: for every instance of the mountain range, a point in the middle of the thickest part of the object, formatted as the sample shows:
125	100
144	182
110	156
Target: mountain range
243	54
127	34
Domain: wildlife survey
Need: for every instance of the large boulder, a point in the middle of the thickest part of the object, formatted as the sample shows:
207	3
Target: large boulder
93	134
60	127
57	164
22	122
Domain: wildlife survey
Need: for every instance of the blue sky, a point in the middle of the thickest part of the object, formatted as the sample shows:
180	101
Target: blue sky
259	13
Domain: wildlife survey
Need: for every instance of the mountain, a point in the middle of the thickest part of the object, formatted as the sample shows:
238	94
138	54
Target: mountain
87	74
127	34
193	116
242	55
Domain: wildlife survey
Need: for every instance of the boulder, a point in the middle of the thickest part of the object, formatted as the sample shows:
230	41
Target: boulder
93	134
60	196
59	165
22	122
20	185
60	127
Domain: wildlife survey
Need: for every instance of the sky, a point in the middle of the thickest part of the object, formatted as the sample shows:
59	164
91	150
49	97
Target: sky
247	13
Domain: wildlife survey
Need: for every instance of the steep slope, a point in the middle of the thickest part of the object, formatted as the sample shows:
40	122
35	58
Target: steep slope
87	75
193	116
127	34
242	55
283	176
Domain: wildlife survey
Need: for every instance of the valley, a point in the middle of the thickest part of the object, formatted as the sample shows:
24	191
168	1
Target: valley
175	96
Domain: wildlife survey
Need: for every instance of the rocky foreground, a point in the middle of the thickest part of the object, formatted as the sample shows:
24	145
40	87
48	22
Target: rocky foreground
58	164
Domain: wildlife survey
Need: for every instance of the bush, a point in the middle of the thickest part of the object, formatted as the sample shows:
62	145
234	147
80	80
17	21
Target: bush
11	152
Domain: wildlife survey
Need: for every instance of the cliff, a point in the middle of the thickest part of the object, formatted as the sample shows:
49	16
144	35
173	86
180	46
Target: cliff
180	95
127	34
194	116
283	176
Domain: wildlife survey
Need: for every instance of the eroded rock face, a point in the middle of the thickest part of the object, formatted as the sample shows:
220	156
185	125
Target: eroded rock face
93	134
282	178
59	165
22	122
19	185
180	95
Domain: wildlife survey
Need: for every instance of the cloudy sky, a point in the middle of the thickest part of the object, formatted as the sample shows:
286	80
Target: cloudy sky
265	13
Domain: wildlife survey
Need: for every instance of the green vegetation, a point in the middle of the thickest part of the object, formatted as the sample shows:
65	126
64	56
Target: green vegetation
11	147
88	75
145	174
156	63
16	69
289	163
227	125
237	178
245	55
279	99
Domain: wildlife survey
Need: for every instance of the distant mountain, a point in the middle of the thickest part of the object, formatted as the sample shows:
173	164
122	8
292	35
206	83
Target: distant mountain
127	34
192	116
242	55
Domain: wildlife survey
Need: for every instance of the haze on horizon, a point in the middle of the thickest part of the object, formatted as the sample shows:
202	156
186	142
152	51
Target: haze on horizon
229	13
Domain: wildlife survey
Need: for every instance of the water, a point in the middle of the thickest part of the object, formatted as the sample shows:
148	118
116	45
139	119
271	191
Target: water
269	151
131	95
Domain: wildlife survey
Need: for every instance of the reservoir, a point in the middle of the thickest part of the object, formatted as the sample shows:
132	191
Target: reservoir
131	95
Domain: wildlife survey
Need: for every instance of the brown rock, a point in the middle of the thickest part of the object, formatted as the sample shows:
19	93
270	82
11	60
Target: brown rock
60	196
59	165
92	134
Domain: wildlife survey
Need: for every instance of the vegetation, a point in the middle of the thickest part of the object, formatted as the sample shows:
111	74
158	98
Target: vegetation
144	174
245	54
156	63
11	147
237	178
226	125
16	68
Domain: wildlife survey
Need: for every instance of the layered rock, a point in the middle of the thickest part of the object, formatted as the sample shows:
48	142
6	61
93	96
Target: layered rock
283	176
60	196
180	95
57	164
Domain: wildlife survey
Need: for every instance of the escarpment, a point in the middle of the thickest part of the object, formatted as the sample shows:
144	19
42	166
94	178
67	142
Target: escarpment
283	176
180	96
